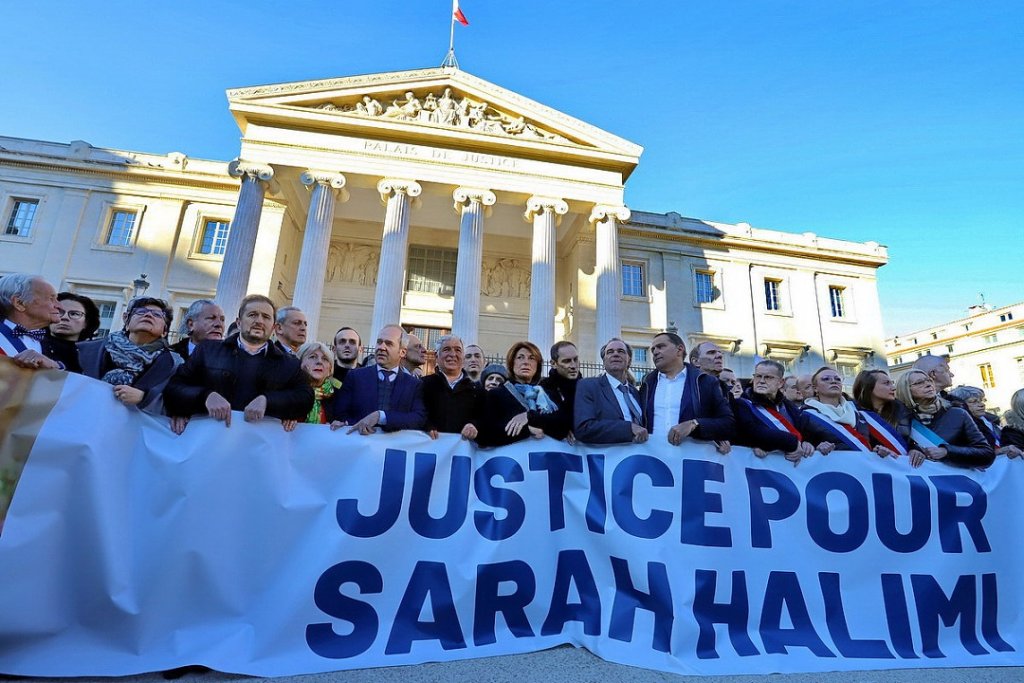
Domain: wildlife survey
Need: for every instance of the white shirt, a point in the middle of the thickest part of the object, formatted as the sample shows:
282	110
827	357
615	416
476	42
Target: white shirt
668	396
621	398
30	343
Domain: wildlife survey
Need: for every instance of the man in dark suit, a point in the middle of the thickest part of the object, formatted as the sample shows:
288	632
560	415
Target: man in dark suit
28	306
679	400
608	408
245	372
380	395
203	320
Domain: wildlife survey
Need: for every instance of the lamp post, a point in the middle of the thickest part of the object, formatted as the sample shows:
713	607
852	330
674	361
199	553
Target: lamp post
141	284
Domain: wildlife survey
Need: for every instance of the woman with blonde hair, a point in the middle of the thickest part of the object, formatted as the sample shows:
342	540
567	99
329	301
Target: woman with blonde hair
1013	432
317	362
942	431
833	422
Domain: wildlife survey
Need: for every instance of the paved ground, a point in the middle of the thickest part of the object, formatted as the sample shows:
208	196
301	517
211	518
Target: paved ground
579	666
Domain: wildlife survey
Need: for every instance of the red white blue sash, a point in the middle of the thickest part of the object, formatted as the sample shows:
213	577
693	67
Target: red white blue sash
925	437
773	418
992	429
841	433
10	343
884	433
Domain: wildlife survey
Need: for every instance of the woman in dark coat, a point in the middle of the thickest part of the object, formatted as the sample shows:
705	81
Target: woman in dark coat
962	444
875	393
135	360
520	408
1013	432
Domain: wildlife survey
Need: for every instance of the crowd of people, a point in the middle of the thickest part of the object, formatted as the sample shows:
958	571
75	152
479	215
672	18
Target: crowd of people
262	365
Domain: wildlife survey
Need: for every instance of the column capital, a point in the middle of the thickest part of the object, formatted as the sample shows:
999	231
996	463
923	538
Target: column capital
537	205
602	212
255	171
466	195
329	178
390	186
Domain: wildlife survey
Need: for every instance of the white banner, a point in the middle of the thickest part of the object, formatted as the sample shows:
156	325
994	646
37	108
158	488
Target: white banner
249	550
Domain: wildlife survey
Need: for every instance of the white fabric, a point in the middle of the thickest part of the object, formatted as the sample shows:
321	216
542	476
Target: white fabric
668	396
845	413
130	549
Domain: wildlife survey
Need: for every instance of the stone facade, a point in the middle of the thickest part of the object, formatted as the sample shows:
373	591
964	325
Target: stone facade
370	194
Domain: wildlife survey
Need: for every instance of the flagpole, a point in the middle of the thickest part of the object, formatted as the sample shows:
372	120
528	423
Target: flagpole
449	59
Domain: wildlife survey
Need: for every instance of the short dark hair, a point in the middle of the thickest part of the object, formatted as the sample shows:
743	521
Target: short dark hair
342	329
534	351
141	301
675	338
629	349
779	367
92	313
256	297
557	347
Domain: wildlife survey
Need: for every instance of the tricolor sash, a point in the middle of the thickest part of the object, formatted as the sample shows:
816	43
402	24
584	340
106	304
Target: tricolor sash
991	428
773	418
884	433
925	437
843	434
10	343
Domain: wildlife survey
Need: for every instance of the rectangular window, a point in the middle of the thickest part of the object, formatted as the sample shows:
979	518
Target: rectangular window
428	335
704	286
835	300
991	338
988	378
633	280
215	237
949	348
121	228
772	294
639	357
107	309
1005	317
23	213
898	360
432	270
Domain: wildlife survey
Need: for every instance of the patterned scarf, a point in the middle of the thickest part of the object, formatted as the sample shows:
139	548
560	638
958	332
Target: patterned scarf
129	359
926	412
532	397
317	415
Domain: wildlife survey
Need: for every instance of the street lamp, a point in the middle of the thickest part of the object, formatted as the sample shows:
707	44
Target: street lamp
141	284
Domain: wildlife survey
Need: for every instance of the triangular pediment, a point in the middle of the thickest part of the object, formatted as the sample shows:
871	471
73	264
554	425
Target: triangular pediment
441	103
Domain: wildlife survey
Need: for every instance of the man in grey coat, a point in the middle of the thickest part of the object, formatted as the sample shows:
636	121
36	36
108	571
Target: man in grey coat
608	408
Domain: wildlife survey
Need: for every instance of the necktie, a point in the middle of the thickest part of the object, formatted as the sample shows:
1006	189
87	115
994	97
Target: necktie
384	387
38	335
634	412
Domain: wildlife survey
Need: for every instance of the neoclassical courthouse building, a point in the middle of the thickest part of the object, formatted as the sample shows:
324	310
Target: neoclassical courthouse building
441	201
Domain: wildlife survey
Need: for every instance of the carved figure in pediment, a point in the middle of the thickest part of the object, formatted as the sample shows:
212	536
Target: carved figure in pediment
446	108
369	107
355	263
506	278
428	114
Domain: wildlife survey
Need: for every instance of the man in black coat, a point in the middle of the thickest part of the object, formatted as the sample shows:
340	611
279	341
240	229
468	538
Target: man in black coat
245	372
203	320
560	384
347	346
452	399
766	420
679	400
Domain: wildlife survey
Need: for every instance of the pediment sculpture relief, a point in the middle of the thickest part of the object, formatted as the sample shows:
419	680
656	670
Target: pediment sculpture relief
505	278
446	110
350	262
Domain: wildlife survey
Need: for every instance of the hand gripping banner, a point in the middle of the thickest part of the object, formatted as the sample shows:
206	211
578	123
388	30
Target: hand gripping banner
255	551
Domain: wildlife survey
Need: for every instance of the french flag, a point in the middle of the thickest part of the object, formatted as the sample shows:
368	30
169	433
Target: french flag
457	14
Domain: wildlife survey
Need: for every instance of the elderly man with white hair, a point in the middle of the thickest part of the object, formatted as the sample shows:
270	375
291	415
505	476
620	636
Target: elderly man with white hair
452	399
28	306
203	320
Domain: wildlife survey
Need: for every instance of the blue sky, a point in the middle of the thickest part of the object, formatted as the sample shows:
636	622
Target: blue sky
899	122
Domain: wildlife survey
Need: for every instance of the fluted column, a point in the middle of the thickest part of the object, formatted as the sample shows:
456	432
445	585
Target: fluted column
472	203
544	212
607	269
233	281
394	247
309	280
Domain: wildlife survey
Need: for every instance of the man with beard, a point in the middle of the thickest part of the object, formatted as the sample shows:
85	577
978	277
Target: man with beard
607	408
346	351
245	372
203	320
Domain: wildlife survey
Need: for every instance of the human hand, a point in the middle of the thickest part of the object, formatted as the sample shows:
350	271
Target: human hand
883	452
916	458
760	453
178	424
469	432
289	425
681	431
723	447
256	409
33	360
130	396
536	432
935	452
338	424
516	424
366	426
219	408
640	434
826	447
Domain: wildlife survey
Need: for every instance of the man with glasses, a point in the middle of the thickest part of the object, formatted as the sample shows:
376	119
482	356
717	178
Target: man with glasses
766	419
452	399
28	306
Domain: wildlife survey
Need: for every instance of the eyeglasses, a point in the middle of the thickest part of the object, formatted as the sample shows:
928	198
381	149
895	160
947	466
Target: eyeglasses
921	383
71	315
150	312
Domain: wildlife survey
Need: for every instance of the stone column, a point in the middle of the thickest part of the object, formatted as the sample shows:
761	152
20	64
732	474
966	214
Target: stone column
473	205
309	280
607	269
394	247
233	281
544	212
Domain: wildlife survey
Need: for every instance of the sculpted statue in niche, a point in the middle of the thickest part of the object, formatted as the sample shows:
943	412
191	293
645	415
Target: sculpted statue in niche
355	263
447	111
505	278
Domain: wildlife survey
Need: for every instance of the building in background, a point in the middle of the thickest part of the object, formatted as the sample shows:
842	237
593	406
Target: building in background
985	350
437	199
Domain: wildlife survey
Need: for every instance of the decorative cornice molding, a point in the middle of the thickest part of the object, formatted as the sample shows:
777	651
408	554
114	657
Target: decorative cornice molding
602	212
390	186
537	205
253	170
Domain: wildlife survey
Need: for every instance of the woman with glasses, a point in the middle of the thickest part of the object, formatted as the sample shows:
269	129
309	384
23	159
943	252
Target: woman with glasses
79	318
973	399
520	408
888	419
135	360
940	430
832	421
